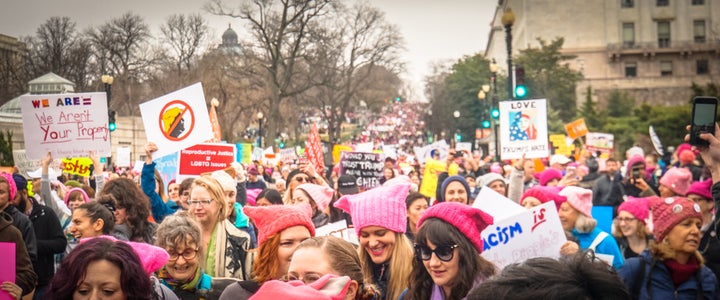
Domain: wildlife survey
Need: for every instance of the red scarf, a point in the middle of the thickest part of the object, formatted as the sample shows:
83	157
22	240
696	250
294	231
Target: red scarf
682	272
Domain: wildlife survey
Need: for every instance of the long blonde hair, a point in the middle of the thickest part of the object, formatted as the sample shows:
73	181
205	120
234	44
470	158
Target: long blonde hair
400	266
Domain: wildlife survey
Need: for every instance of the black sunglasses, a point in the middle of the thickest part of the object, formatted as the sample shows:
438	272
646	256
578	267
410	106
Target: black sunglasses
444	253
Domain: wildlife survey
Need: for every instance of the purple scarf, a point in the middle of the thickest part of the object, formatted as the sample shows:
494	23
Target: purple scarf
439	294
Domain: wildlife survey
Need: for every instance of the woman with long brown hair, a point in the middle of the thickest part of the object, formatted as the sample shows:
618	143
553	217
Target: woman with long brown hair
131	208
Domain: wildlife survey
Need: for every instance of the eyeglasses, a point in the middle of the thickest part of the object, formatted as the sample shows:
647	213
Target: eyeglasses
303	179
306	279
205	202
444	253
626	220
188	254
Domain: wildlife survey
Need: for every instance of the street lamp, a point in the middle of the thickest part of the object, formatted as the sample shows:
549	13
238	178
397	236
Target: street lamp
508	18
456	114
107	80
260	121
493	73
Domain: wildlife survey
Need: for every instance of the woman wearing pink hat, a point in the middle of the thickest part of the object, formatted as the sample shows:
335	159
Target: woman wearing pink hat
379	216
448	245
318	197
675	182
701	194
576	218
673	267
630	230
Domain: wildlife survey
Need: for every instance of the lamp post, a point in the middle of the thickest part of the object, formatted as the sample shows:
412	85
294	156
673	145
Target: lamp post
107	80
508	18
260	117
456	114
493	73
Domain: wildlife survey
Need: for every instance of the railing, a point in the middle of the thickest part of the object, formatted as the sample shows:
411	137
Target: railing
708	44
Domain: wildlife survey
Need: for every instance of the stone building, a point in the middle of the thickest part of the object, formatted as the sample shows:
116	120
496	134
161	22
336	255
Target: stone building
652	49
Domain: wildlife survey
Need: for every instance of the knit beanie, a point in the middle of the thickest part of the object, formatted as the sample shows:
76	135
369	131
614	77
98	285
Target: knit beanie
152	257
669	212
272	219
684	146
322	195
579	198
328	287
544	194
548	175
82	192
686	157
634	160
489	178
702	189
638	207
12	189
20	182
447	182
382	206
226	181
470	221
678	180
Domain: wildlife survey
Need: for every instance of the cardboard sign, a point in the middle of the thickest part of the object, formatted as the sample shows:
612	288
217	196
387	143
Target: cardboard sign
596	141
7	267
177	120
68	125
523	129
366	167
496	205
534	233
338	229
576	129
203	158
77	166
123	157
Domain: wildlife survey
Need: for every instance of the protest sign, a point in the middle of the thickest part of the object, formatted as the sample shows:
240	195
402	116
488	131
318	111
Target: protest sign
602	142
244	153
537	232
26	165
177	120
123	157
77	166
7	267
364	147
576	129
67	125
167	166
523	129
287	156
496	205
338	229
337	149
560	144
366	167
657	144
462	146
203	158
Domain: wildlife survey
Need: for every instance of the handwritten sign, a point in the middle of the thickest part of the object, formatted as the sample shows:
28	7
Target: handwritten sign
77	166
177	120
68	125
496	205
534	233
203	158
25	165
366	167
560	144
338	229
523	129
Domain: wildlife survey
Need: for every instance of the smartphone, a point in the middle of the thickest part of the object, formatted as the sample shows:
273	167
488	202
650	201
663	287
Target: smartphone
703	119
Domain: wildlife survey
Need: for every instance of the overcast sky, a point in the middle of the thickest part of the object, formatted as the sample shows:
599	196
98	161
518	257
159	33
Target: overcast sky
433	30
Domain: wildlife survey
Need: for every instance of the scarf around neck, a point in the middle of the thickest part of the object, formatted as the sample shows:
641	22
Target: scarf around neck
681	273
187	285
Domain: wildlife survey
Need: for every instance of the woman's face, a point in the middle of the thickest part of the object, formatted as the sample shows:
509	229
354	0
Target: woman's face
443	273
665	191
120	215
290	238
388	173
498	186
298	179
309	264
174	191
229	201
455	192
568	216
82	227
416	209
262	202
101	281
378	242
205	213
300	196
706	205
530	202
685	236
183	261
75	201
627	223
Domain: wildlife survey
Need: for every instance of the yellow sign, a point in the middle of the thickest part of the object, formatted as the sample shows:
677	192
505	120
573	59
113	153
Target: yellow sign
561	147
77	166
337	149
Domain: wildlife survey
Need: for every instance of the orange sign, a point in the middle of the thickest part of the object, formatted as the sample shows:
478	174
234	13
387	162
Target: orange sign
576	129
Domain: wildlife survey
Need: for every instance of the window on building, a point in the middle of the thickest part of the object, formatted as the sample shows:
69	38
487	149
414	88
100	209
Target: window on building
699	31
698	2
666	68
631	69
663	33
628	34
702	67
662	2
627	3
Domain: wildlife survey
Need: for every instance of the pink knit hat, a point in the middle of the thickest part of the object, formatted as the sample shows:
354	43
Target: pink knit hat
549	174
12	189
328	287
686	157
579	198
82	192
322	195
152	257
638	207
382	206
544	194
634	160
470	221
678	180
272	219
669	212
702	189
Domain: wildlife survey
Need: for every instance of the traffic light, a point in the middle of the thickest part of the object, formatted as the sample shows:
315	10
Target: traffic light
495	113
111	121
398	99
486	123
520	88
458	137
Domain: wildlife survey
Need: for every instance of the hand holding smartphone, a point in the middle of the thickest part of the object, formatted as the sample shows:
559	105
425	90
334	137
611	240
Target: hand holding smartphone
703	119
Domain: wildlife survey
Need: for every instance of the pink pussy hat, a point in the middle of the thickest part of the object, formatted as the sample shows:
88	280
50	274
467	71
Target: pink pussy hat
381	206
272	219
322	195
470	221
638	207
579	198
678	180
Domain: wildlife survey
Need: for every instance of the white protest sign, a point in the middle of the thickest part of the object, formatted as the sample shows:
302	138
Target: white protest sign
364	147
523	129
123	157
25	165
496	205
338	229
177	120
462	146
534	233
67	125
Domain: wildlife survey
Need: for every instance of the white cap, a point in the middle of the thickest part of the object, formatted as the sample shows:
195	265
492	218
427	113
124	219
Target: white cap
559	159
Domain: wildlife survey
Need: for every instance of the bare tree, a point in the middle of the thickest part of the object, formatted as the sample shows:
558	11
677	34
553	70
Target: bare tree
13	74
185	35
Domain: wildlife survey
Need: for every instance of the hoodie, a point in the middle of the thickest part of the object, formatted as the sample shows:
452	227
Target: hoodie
25	277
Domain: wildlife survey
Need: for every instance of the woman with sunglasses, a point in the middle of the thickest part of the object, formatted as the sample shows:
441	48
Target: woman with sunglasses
447	262
379	216
180	236
225	245
630	230
305	173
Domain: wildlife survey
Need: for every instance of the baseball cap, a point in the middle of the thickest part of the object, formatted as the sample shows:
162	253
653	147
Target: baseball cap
559	159
347	185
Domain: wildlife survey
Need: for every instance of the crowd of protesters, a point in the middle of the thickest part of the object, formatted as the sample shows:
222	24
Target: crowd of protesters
249	231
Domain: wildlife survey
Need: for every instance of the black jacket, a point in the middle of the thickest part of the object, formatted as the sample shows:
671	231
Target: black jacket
710	242
50	241
24	275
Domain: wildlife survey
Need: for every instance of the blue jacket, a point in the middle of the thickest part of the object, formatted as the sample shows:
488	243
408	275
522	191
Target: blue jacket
158	208
661	285
608	246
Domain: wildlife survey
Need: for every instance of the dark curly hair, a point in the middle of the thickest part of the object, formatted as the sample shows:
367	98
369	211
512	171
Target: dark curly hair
137	206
